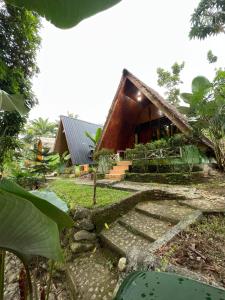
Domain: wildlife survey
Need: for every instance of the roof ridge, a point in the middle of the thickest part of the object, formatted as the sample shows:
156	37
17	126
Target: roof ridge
76	119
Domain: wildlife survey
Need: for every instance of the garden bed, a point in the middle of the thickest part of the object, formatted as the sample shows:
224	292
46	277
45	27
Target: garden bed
81	195
200	249
167	178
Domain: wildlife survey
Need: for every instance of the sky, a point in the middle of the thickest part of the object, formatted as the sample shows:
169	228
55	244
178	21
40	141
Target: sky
80	68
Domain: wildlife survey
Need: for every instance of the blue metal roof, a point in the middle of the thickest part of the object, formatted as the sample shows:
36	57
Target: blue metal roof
79	144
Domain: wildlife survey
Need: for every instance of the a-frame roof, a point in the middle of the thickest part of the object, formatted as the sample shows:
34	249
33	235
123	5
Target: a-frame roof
157	100
79	145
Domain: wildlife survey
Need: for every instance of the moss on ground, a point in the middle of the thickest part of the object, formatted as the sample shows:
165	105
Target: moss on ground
77	194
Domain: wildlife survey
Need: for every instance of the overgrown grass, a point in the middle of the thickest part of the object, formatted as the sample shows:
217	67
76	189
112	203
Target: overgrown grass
76	194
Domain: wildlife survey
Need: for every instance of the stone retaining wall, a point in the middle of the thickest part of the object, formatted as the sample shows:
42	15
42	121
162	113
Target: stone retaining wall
110	213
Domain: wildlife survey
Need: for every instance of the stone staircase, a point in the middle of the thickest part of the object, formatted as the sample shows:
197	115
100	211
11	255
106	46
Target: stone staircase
118	172
143	225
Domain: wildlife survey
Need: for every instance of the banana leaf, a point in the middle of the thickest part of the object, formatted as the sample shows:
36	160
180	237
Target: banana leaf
65	13
12	103
25	230
50	210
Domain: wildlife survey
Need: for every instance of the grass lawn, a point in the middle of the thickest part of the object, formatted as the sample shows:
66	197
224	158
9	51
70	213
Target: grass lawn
76	194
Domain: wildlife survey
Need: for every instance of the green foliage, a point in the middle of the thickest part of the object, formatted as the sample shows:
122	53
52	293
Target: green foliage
21	215
94	138
39	128
19	42
171	81
105	161
208	19
178	140
67	13
191	156
44	161
211	57
12	103
207	109
164	286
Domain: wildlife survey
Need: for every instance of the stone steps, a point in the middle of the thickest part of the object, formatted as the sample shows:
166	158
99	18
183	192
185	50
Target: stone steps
143	225
117	177
124	163
167	210
118	171
122	240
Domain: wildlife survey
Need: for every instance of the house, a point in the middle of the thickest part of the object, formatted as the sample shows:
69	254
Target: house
138	114
71	138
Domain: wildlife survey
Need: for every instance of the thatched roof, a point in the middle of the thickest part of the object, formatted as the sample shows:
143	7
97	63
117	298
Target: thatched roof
157	100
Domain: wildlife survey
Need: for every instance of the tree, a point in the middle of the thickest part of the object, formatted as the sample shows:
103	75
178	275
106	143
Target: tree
206	109
95	139
38	128
72	115
208	19
211	57
171	81
19	42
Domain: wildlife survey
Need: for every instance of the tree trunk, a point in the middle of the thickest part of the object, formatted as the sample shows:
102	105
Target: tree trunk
95	187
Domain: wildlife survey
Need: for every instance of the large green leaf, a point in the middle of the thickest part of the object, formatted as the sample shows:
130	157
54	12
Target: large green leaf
65	13
52	198
25	230
56	214
186	97
12	102
98	135
200	85
164	286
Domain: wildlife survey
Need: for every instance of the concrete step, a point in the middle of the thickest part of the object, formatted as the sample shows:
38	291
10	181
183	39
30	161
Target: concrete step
117	172
167	210
121	240
124	163
146	226
114	176
123	168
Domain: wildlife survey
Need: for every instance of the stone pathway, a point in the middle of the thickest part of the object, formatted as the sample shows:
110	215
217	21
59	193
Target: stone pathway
92	277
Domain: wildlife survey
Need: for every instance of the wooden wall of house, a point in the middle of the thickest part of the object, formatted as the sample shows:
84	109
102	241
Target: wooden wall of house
61	143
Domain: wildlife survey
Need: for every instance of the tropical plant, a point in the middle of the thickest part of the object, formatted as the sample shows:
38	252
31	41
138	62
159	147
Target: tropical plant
164	286
211	57
44	161
191	156
206	110
38	128
94	139
104	158
65	14
208	19
19	40
171	81
22	214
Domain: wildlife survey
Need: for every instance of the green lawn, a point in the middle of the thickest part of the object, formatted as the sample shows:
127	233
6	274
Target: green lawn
77	194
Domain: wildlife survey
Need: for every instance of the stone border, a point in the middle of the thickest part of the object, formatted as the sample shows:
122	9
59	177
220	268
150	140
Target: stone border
175	230
110	213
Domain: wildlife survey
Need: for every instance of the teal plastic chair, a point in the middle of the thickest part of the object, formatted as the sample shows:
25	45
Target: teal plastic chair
166	286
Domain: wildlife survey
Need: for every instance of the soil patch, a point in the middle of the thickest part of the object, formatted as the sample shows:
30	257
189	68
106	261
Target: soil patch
201	248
